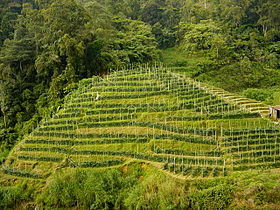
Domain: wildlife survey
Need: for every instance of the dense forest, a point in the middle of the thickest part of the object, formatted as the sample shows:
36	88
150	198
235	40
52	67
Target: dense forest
48	46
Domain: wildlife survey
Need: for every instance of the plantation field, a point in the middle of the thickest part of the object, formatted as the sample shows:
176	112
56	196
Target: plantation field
153	115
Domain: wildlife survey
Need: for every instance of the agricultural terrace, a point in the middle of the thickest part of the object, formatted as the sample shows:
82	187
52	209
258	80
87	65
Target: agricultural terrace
152	115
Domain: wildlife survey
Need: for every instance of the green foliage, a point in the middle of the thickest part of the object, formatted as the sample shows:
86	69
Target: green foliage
232	44
139	186
258	94
9	11
212	197
12	196
155	192
135	41
203	36
8	138
112	189
57	43
89	189
92	164
174	57
162	16
21	173
269	95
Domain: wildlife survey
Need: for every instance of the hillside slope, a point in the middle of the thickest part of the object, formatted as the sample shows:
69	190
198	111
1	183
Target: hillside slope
153	115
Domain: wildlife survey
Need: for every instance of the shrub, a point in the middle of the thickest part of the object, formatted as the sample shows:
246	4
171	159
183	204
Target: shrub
257	94
88	189
11	196
219	197
157	192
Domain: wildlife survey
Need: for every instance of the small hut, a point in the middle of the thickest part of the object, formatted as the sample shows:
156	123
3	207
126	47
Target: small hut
274	112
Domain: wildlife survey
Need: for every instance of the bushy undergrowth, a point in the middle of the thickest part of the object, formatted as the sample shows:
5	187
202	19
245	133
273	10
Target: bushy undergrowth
12	196
217	197
8	137
133	187
269	95
89	189
139	186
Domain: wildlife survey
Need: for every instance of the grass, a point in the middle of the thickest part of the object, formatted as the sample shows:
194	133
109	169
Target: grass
123	130
270	96
182	62
172	144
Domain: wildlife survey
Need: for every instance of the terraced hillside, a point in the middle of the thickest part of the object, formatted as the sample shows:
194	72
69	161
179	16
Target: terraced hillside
155	116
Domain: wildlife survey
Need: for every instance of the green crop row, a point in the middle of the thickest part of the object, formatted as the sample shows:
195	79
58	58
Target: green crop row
178	86
195	131
184	152
92	164
81	105
54	134
88	125
186	160
122	107
224	106
152	92
148	136
74	142
251	131
114	105
258	166
48	159
132	110
57	128
107	124
16	172
62	122
183	89
140	84
206	103
249	141
252	136
97	119
194	99
126	89
74	110
257	160
258	153
196	95
44	149
253	147
193	171
137	71
236	115
121	96
139	78
54	142
166	127
190	92
112	118
68	115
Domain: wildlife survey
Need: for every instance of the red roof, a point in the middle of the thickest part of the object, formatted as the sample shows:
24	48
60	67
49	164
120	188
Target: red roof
276	107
